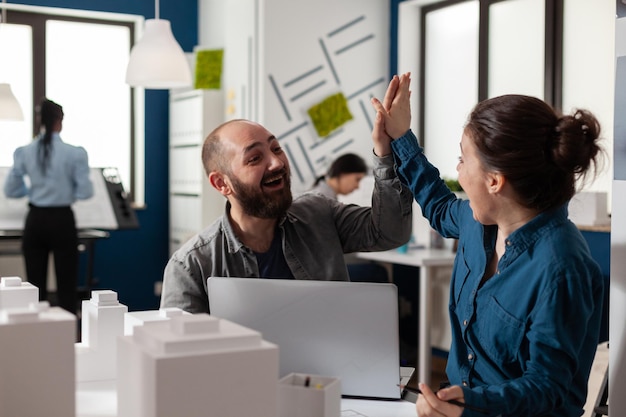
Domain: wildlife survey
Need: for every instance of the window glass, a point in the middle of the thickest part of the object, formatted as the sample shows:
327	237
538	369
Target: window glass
85	73
86	54
517	48
451	87
16	69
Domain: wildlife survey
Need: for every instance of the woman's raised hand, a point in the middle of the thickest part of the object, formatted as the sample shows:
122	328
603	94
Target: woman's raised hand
395	110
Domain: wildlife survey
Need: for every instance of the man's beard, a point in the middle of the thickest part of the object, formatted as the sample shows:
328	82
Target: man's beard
256	203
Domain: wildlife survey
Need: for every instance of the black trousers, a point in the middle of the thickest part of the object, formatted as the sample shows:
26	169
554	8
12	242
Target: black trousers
52	229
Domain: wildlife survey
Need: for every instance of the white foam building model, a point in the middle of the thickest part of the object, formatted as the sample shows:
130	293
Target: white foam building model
196	365
102	322
139	318
15	293
166	361
104	319
36	354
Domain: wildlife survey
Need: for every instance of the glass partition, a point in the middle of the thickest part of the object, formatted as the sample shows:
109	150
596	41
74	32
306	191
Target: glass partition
451	81
16	63
516	48
97	113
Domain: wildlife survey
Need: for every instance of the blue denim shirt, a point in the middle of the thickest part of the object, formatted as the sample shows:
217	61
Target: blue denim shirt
523	342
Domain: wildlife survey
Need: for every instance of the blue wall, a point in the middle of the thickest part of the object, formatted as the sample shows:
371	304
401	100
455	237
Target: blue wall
600	247
393	37
130	261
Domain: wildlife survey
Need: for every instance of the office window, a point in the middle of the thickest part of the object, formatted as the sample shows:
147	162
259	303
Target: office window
471	50
516	48
97	107
451	74
77	59
16	68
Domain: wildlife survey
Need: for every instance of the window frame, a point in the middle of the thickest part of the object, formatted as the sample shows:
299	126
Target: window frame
36	17
553	33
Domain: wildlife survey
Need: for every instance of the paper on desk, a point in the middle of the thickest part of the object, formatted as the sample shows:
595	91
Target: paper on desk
370	408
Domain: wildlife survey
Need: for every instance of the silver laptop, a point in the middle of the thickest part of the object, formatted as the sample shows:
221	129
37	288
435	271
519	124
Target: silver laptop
331	328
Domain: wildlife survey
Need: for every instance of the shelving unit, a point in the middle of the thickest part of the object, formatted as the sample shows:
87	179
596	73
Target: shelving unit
194	204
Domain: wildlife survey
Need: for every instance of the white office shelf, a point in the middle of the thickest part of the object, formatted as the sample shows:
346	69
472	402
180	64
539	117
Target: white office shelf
193	203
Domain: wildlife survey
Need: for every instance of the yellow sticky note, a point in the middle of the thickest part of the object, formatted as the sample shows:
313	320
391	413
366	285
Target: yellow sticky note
329	114
209	69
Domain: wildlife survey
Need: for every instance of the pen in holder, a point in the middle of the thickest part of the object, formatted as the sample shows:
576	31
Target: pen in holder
303	395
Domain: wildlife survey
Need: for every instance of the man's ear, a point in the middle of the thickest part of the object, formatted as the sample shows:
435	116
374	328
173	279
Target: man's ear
218	181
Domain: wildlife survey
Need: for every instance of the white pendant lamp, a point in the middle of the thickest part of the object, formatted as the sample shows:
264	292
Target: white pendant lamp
9	106
157	61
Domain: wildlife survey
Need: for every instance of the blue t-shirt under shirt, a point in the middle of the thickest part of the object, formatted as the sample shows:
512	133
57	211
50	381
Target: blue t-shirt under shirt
272	263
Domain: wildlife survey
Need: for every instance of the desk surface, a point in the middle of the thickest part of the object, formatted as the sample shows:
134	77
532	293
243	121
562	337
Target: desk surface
100	399
82	234
413	257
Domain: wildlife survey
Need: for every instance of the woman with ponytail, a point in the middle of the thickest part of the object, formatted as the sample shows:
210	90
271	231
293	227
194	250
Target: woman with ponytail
525	294
58	175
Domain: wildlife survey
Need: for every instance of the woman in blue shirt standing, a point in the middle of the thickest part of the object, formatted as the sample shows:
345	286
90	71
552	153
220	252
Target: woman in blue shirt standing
526	296
58	175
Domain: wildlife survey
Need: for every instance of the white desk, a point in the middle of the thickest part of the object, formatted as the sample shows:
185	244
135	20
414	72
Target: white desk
427	260
365	408
99	399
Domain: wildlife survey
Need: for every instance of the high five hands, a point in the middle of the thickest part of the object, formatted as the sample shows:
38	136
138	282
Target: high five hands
393	115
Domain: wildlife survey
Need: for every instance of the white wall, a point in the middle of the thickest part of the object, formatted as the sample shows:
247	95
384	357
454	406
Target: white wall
211	23
283	56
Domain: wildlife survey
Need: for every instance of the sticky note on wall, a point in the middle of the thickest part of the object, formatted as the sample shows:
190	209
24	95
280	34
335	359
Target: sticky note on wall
209	69
330	114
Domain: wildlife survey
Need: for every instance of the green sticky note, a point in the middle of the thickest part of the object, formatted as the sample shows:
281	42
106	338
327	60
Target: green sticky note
330	114
209	69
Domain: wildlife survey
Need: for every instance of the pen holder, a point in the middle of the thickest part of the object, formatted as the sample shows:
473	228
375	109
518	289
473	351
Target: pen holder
302	395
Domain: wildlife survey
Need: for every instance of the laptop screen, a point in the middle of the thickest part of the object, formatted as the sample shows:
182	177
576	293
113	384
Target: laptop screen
347	330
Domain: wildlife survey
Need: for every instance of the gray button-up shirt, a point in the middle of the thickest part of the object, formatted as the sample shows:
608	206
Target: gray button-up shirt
315	233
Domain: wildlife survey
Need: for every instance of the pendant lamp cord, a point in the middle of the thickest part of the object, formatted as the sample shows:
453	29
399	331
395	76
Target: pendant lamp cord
4	12
156	9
